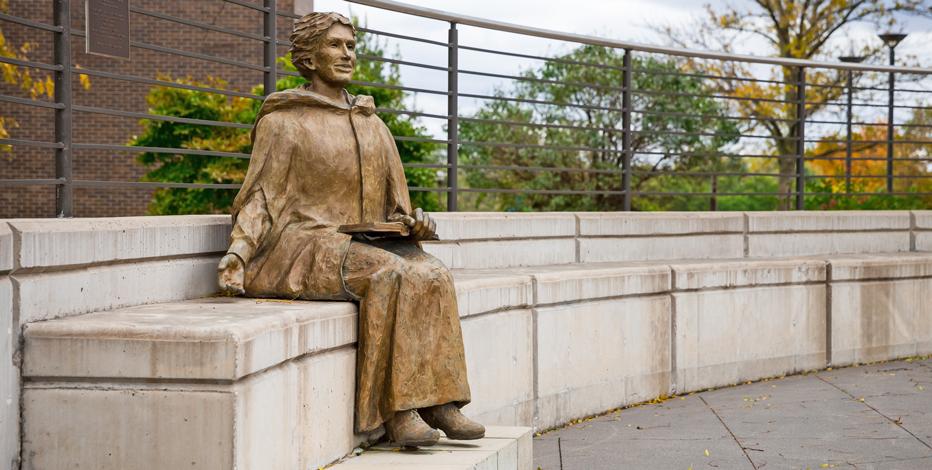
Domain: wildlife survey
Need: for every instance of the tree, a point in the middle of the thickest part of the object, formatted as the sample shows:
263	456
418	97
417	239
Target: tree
868	168
170	101
576	145
792	29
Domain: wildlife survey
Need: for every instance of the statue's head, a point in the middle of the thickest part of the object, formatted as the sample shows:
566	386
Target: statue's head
324	45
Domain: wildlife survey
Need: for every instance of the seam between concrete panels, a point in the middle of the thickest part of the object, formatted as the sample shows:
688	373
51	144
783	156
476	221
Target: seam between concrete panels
674	374
747	234
828	313
912	231
17	359
535	352
535	382
576	237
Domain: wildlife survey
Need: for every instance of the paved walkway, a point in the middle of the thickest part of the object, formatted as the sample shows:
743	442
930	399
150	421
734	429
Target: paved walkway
870	417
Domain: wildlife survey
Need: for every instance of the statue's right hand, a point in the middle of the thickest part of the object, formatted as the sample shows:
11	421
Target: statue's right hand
231	274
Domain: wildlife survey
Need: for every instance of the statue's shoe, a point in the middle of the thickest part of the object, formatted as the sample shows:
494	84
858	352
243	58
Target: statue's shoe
407	429
451	421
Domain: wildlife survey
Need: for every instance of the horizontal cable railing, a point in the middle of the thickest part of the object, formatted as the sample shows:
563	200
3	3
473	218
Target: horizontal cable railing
600	124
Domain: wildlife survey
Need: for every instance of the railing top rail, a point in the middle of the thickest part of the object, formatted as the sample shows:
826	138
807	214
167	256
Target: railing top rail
606	42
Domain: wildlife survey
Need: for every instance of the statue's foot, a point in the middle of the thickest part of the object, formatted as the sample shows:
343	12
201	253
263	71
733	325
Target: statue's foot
451	421
407	429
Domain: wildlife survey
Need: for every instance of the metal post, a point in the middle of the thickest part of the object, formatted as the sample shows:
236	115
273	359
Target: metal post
626	133
64	197
713	200
800	138
848	136
270	31
890	125
453	131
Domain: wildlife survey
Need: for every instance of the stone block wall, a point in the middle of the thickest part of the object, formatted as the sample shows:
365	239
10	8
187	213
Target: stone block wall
564	315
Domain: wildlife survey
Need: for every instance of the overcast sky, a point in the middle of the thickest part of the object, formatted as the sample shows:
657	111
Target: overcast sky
627	20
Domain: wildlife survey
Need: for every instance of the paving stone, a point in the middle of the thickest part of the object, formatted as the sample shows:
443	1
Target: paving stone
673	434
811	421
814	453
657	453
897	378
547	453
794	389
683	418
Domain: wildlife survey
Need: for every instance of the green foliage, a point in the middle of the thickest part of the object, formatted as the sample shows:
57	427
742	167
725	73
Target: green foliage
168	101
583	131
192	104
825	196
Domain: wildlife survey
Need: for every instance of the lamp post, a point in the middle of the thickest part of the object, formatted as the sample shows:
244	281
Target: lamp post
890	40
851	59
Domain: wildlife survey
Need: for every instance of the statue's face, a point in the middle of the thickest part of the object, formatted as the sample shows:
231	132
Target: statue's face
335	57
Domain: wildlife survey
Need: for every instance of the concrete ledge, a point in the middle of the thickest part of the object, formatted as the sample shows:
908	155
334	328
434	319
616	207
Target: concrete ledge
600	224
500	364
923	241
56	243
676	247
505	253
880	307
885	266
503	448
484	291
827	221
9	376
923	219
592	281
595	356
776	234
827	243
661	302
746	273
209	339
922	230
499	225
58	294
723	337
282	419
6	248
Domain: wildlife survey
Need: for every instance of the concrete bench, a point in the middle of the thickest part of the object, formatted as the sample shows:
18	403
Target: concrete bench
564	316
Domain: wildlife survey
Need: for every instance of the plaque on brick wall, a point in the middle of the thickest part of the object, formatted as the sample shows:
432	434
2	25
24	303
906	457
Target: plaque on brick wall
107	27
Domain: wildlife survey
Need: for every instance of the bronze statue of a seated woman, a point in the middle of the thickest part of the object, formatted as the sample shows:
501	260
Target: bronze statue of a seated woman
323	159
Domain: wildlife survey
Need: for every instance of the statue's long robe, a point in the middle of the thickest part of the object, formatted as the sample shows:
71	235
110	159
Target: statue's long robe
318	164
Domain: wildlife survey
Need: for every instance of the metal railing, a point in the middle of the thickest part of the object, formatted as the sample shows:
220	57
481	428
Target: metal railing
619	134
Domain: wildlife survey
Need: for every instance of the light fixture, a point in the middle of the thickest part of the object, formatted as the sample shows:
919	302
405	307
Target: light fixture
892	39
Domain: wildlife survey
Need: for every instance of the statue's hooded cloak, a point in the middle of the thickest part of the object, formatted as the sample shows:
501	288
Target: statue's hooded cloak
318	164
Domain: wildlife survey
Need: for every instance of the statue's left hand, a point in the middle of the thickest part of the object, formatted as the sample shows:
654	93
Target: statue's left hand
421	225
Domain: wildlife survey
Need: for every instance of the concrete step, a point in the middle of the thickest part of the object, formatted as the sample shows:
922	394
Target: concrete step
503	448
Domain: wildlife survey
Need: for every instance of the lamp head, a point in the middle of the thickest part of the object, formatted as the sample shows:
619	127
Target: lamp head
851	59
892	39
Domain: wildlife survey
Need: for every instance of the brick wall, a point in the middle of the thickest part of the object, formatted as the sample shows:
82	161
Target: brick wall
38	124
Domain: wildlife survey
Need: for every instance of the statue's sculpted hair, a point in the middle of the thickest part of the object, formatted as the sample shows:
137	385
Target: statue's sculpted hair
308	31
